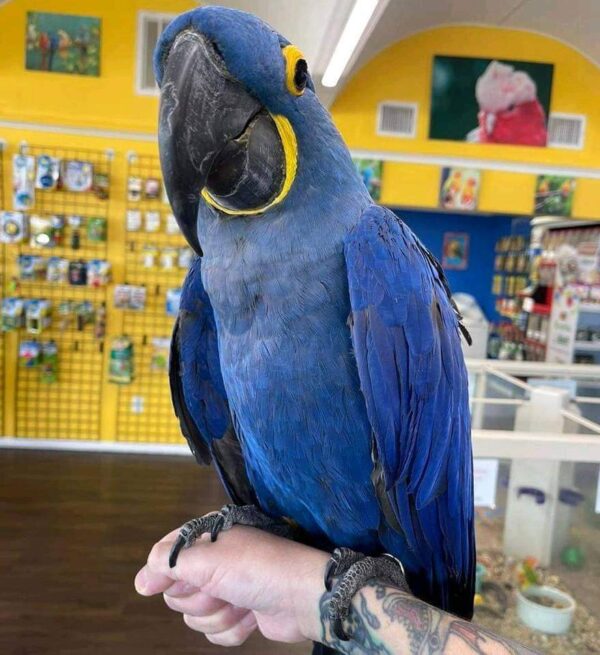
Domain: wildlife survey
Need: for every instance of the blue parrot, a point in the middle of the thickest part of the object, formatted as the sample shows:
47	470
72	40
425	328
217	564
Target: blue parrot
316	358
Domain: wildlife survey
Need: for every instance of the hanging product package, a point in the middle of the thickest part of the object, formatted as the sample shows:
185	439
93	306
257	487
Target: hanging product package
159	359
13	227
13	316
96	229
85	314
98	273
152	188
41	233
49	362
120	367
47	172
133	220
172	301
78	273
32	267
134	189
57	270
101	186
152	221
29	354
37	315
171	225
23	182
77	176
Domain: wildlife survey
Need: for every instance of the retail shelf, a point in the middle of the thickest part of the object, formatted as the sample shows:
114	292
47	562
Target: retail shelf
589	307
591	346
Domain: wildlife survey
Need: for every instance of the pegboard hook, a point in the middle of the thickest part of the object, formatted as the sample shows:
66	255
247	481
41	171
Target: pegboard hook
132	156
23	147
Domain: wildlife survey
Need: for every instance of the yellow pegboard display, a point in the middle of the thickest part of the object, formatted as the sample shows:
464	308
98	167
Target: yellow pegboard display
147	252
156	258
61	399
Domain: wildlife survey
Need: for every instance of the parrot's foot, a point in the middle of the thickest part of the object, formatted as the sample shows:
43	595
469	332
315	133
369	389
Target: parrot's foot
225	519
354	570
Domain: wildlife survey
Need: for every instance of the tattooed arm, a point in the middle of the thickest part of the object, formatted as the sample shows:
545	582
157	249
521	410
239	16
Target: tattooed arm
386	621
249	580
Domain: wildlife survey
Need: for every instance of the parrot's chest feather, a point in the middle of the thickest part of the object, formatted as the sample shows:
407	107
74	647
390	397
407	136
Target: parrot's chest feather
292	384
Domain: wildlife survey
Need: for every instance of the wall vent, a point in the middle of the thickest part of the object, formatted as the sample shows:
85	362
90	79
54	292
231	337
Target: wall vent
566	131
397	119
149	28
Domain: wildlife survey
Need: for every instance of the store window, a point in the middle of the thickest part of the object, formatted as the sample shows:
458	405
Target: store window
149	28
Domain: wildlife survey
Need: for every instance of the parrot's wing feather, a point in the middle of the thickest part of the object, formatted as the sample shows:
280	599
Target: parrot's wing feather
198	393
405	334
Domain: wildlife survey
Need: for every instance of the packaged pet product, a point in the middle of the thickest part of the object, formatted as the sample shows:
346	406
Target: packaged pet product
134	189
98	273
172	302
49	362
47	172
23	182
78	176
96	229
37	315
13	316
57	270
152	188
133	220
29	354
13	227
120	367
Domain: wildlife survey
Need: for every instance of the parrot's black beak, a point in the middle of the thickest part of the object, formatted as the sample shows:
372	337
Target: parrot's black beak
215	138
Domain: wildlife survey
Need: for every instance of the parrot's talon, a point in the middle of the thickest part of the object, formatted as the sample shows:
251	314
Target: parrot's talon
353	570
176	548
225	519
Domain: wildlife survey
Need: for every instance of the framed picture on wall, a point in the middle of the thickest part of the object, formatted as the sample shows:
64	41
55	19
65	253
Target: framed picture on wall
61	43
459	188
455	251
490	101
554	195
370	171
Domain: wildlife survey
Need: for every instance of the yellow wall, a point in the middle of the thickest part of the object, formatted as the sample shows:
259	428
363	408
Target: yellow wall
108	101
402	72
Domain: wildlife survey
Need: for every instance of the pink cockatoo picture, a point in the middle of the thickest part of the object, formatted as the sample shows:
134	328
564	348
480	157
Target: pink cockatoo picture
509	109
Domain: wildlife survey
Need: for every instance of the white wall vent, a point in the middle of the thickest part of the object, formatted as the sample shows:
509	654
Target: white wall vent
150	26
397	119
566	131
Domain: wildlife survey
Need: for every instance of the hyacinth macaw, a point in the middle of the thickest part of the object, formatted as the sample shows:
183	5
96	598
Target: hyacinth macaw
316	359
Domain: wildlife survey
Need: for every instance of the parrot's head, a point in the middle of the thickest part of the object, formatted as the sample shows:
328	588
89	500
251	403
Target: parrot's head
241	131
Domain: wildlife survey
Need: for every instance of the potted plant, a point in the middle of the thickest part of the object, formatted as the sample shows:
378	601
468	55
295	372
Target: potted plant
539	606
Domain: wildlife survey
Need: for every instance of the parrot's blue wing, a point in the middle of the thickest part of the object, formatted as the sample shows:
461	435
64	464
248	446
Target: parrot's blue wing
405	334
197	389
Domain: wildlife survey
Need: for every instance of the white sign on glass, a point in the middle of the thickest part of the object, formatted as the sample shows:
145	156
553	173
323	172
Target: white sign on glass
485	480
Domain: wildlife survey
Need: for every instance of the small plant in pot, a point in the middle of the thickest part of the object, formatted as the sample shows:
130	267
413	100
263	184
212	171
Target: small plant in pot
539	606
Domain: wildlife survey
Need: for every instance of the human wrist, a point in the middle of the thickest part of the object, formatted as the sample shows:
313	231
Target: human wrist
309	590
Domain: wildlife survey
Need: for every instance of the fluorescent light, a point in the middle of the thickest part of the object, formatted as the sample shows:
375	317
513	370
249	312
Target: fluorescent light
355	26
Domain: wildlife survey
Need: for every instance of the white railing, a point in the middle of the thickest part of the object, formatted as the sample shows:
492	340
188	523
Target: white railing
550	445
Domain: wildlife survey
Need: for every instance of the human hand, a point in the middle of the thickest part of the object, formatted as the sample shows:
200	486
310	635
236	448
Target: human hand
247	579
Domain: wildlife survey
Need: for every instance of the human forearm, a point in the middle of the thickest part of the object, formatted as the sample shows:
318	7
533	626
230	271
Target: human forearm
385	621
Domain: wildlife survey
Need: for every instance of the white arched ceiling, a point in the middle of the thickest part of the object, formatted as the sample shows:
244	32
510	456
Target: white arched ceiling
315	25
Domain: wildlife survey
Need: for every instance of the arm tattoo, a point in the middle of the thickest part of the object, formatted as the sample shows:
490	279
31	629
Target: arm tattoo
425	630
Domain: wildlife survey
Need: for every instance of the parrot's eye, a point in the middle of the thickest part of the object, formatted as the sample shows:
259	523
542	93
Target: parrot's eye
296	70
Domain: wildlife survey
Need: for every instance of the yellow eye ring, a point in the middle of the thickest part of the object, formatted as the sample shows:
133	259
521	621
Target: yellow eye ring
296	70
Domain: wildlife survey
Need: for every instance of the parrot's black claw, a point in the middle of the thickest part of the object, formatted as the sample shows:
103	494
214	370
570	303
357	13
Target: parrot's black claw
353	571
224	519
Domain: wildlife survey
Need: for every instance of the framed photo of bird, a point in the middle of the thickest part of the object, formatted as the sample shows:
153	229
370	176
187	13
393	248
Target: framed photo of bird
490	100
459	188
455	251
61	43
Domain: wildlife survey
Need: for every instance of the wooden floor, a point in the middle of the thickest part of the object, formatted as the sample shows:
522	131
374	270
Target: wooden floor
74	530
